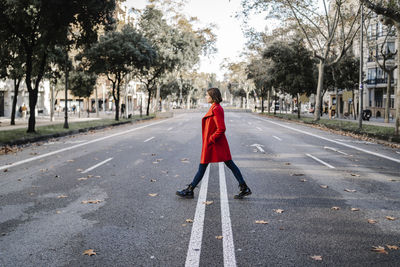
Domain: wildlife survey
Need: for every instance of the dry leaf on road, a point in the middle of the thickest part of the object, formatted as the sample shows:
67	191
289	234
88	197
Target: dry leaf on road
316	258
208	202
393	180
379	249
89	252
356	175
354	209
390	218
62	196
392	247
371	221
91	201
278	211
297	174
82	179
219	237
153	180
79	170
261	222
303	180
323	186
153	194
335	208
350	190
189	220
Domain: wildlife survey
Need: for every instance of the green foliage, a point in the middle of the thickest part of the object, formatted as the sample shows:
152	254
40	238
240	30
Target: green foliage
82	83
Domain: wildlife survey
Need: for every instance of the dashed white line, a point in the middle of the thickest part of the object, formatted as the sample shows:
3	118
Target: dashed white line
147	140
320	161
277	138
97	165
194	250
75	146
334	149
227	240
333	141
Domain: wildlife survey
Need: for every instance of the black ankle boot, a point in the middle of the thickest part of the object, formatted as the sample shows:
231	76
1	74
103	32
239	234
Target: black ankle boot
186	193
244	191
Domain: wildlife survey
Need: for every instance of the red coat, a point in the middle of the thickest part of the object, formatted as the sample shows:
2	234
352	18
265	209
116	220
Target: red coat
215	146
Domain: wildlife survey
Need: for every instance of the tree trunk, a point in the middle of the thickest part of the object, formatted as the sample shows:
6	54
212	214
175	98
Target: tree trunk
262	103
52	102
247	100
274	102
388	90
117	102
156	104
188	100
88	106
269	100
298	106
321	72
397	97
148	102
33	94
14	103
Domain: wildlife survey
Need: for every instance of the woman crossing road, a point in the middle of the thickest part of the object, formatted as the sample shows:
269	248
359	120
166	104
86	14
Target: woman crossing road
215	146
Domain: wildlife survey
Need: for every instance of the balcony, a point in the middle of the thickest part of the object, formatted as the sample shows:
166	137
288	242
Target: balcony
379	81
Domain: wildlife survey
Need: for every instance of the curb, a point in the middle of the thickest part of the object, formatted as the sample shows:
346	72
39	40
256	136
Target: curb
23	141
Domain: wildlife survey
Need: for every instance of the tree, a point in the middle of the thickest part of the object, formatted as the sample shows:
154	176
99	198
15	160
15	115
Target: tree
390	12
82	84
258	70
326	33
12	67
293	68
41	25
116	55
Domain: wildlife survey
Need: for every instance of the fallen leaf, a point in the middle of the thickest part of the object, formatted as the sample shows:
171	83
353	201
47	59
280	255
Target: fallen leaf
354	209
261	222
350	190
177	175
79	170
390	218
324	186
303	180
208	202
153	194
219	237
43	170
297	174
89	176
316	258
57	176
352	174
155	162
287	163
19	179
379	249
89	252
183	224
153	180
6	170
393	180
281	228
335	208
82	179
91	201
58	212
165	172
392	247
189	220
62	196
371	221
279	211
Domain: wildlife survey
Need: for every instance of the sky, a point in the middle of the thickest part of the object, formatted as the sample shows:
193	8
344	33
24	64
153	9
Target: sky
230	39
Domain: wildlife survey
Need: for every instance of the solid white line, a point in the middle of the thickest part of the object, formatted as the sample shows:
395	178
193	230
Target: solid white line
334	149
78	145
193	254
333	141
97	165
320	161
277	138
227	240
148	139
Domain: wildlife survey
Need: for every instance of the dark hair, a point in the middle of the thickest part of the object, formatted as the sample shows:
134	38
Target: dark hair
215	94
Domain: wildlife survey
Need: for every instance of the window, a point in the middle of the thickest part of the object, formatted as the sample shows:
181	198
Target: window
372	74
379	29
390	47
369	32
378	98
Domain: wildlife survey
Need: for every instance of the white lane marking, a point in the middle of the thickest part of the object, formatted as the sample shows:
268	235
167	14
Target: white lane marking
259	147
398	152
78	145
355	141
97	165
277	138
227	240
259	128
193	254
320	161
334	149
170	128
333	141
147	140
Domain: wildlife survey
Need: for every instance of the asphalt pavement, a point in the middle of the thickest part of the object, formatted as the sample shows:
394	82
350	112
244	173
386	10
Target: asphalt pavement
316	195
